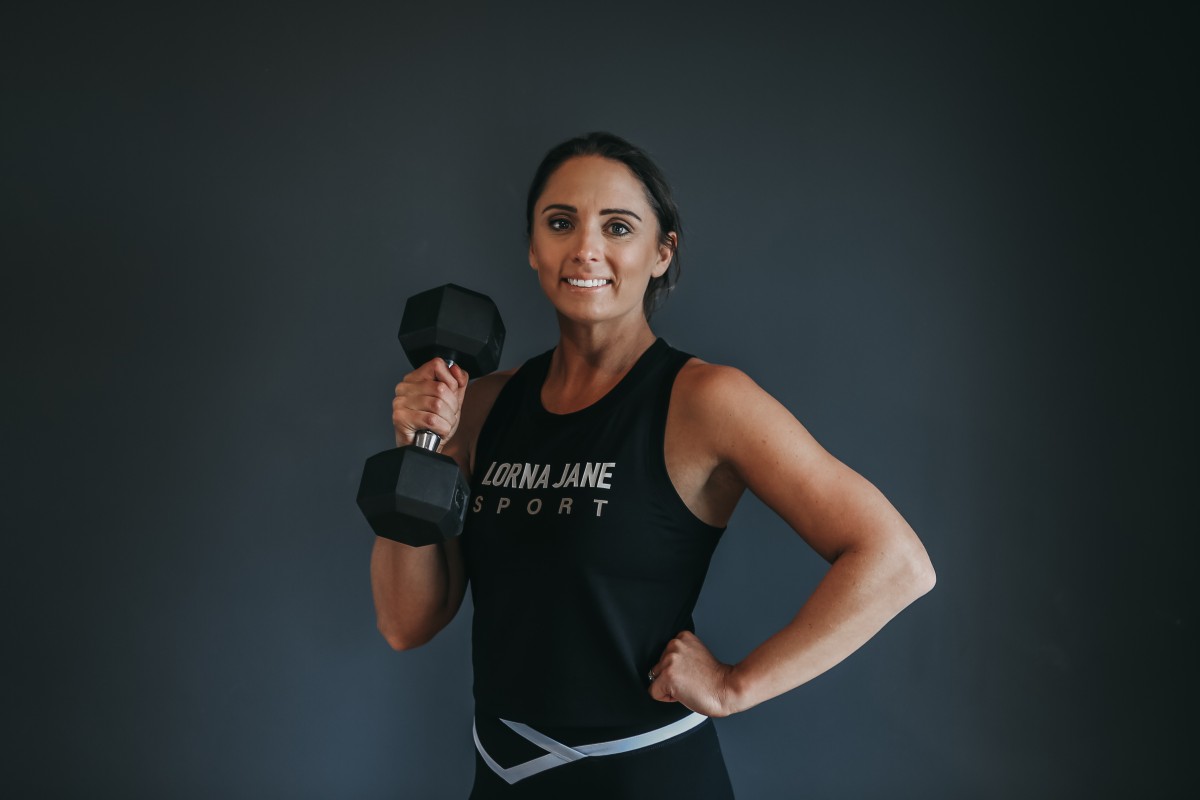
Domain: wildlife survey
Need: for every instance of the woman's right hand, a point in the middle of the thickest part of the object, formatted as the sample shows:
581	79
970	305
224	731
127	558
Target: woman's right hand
429	398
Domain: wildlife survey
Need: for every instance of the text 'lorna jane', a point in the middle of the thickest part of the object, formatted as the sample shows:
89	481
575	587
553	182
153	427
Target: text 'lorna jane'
583	475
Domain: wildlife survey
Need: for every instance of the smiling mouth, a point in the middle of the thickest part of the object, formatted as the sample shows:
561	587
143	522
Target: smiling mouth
590	283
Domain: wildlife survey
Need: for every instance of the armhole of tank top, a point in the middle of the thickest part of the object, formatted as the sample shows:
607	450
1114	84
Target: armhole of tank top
662	409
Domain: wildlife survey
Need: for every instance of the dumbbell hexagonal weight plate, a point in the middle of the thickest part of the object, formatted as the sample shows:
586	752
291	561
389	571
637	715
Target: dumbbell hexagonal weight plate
413	495
453	323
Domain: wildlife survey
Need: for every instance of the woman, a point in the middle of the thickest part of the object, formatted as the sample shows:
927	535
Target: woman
604	472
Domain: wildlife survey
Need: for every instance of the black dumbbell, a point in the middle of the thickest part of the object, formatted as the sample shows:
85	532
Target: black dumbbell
414	494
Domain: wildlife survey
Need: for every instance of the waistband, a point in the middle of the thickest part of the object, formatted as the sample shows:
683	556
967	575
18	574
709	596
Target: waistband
557	754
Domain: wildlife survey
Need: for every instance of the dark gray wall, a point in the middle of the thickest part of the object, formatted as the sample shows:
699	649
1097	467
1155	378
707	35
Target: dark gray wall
935	234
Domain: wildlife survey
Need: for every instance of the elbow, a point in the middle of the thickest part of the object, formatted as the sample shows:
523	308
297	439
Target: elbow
919	574
400	638
405	627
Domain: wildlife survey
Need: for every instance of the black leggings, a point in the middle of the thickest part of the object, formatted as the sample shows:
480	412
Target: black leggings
689	765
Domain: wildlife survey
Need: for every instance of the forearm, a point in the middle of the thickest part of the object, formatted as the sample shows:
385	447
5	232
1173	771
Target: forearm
859	594
417	590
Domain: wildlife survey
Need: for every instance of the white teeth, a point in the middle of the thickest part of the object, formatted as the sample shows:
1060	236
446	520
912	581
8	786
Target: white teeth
588	283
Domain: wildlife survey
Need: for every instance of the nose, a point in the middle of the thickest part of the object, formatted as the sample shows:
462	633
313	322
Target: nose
589	245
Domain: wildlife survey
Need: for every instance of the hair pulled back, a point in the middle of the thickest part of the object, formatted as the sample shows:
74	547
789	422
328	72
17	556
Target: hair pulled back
658	195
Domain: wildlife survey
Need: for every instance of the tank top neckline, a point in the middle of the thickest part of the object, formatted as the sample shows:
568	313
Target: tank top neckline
640	368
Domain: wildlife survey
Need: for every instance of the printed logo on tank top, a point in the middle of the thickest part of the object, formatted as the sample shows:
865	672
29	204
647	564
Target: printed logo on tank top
525	478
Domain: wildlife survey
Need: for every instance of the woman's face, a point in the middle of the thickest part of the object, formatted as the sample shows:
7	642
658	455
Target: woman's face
595	240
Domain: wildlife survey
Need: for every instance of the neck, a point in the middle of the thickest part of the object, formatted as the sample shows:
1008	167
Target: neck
589	361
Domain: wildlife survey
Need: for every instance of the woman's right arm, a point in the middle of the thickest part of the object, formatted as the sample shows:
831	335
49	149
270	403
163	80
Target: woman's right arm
418	590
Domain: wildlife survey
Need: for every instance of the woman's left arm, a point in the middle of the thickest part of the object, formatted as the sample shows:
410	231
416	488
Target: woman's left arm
877	564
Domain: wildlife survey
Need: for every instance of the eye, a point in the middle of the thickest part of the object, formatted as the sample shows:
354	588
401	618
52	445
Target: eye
618	228
559	224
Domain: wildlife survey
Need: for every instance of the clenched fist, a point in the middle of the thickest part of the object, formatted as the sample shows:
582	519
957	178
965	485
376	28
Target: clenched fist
688	673
429	398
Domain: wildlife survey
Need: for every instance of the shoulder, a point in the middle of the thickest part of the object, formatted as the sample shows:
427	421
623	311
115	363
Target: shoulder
706	389
700	374
482	392
721	409
711	422
480	397
733	418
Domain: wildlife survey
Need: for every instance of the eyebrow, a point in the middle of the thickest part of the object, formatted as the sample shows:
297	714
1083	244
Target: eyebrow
603	211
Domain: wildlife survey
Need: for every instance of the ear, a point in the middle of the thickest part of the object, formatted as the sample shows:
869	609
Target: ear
665	253
532	260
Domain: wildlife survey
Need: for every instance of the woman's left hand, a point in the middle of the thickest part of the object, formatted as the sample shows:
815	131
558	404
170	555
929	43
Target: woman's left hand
688	673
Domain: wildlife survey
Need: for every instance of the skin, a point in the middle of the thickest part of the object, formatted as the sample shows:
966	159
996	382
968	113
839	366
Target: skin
724	435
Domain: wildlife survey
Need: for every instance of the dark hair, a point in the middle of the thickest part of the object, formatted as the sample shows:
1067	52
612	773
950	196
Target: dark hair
658	195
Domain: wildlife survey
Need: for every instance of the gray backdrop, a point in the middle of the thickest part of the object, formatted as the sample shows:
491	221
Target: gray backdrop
935	234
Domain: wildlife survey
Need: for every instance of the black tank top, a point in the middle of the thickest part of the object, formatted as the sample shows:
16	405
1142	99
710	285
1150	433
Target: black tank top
582	558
